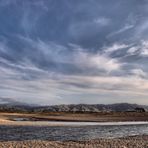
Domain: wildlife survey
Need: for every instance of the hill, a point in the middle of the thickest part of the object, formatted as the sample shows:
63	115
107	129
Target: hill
120	107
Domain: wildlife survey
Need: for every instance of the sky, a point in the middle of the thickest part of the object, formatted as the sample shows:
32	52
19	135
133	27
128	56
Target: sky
73	51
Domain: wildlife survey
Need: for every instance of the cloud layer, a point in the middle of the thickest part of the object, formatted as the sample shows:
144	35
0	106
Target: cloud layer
54	52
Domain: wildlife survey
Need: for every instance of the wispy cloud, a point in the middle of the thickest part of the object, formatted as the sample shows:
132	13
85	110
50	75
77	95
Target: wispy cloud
54	52
115	47
122	30
30	78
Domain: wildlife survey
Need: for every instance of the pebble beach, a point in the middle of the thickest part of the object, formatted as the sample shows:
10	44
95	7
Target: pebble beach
128	142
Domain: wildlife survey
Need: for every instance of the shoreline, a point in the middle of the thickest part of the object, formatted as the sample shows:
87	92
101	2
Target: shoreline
77	117
69	123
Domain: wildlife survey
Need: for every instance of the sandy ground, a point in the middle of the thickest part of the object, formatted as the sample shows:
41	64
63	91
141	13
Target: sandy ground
93	117
130	142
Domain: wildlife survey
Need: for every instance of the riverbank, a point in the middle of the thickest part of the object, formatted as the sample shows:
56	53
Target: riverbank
77	117
129	142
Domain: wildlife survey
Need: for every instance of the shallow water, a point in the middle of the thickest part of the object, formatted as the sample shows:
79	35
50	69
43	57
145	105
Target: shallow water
64	133
77	123
64	123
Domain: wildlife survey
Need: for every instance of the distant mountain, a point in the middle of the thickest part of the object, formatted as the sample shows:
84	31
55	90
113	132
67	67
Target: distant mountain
91	108
15	108
71	108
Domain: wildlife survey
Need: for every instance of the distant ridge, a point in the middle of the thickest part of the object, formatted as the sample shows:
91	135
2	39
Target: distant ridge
70	108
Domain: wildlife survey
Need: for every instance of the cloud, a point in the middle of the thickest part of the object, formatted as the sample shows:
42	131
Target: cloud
53	87
102	21
74	56
132	50
31	77
49	85
115	47
139	72
141	49
97	61
54	52
122	30
144	48
42	73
